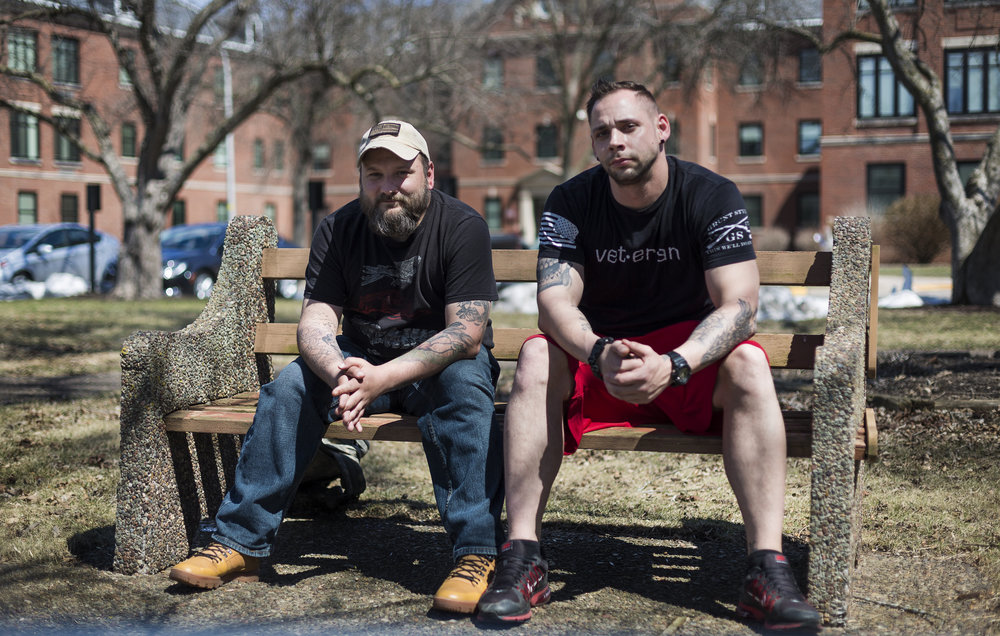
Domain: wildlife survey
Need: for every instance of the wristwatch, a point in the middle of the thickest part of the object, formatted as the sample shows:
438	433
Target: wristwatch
595	355
680	370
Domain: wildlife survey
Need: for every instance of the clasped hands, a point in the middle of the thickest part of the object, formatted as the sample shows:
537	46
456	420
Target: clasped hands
359	383
634	372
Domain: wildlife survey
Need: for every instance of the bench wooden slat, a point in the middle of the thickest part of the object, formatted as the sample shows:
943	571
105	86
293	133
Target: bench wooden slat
811	269
786	351
234	415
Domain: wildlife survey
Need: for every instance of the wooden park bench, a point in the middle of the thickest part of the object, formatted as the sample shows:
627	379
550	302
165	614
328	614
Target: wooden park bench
188	396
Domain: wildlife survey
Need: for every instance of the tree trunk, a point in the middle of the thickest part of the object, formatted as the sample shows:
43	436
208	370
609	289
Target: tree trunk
976	279
140	264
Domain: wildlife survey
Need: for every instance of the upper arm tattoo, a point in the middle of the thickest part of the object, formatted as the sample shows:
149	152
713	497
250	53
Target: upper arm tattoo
476	312
552	273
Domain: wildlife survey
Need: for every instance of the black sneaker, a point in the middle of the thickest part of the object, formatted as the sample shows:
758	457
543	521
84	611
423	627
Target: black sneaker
770	594
520	583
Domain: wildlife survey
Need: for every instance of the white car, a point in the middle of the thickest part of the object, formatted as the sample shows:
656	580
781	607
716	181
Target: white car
35	252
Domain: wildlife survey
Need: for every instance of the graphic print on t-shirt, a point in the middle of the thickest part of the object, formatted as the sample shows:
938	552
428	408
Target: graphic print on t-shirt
557	231
730	231
386	303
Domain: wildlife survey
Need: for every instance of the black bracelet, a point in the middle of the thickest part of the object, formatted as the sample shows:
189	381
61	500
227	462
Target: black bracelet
595	355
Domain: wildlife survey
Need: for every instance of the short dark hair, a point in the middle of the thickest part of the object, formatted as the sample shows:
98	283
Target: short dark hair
602	88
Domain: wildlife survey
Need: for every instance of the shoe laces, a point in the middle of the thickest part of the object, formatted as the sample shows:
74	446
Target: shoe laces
472	568
216	553
778	579
511	570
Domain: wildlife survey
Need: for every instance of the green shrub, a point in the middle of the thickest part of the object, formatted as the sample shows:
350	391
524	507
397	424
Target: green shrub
913	227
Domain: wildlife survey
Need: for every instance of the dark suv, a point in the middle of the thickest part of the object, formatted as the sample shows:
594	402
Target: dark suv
192	255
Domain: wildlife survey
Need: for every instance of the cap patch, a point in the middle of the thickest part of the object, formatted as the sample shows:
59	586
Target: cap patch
385	128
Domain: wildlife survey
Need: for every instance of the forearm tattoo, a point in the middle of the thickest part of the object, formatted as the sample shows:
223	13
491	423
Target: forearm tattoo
721	331
454	341
552	273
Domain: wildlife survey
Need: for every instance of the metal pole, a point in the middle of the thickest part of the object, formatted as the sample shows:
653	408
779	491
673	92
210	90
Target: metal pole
93	255
227	85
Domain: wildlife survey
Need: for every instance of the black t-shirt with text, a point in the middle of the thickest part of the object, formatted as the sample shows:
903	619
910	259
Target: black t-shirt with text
645	269
394	293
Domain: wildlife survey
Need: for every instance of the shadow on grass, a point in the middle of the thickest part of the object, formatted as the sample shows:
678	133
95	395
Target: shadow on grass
698	566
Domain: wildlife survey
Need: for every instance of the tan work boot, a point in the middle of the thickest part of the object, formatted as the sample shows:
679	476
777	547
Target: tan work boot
215	565
467	581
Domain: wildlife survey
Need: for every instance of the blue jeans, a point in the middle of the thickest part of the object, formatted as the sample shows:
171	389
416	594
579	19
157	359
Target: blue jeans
462	445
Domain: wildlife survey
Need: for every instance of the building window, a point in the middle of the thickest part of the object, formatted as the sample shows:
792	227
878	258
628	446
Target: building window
751	140
751	72
270	211
128	140
755	204
178	213
673	146
493	74
492	144
65	60
221	211
808	213
810	66
972	81
219	159
23	136
886	183
123	77
494	212
604	66
965	170
670	67
321	157
27	208
279	155
258	154
545	73
22	50
69	208
65	148
219	85
546	141
879	93
809	134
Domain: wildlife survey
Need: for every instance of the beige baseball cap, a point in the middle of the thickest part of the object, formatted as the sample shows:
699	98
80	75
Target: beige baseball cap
398	137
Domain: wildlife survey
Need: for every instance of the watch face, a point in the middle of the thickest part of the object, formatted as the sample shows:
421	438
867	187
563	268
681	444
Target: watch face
681	371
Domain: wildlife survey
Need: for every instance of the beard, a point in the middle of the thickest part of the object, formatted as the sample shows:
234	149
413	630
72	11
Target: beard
401	220
631	175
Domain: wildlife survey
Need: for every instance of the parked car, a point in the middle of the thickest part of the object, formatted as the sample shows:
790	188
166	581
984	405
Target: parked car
192	255
35	252
506	242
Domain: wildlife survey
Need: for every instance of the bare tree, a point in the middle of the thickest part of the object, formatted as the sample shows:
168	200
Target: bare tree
969	208
166	49
398	59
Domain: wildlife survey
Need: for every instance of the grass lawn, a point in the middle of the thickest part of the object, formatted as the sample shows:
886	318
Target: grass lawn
934	494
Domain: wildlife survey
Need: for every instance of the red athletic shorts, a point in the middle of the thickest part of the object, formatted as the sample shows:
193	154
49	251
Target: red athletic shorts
688	407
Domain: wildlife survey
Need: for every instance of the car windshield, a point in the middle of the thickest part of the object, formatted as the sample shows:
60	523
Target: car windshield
188	238
14	237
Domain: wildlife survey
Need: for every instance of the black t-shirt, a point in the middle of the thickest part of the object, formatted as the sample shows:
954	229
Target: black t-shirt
394	293
645	269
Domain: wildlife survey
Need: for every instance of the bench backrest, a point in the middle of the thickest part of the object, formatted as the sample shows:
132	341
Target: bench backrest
786	350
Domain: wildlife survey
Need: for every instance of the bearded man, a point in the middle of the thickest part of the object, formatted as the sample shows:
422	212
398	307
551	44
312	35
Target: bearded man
406	272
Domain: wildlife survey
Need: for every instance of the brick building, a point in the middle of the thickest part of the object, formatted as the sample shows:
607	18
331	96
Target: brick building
805	140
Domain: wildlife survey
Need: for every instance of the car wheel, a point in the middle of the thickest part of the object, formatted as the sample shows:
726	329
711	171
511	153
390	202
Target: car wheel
203	284
21	278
